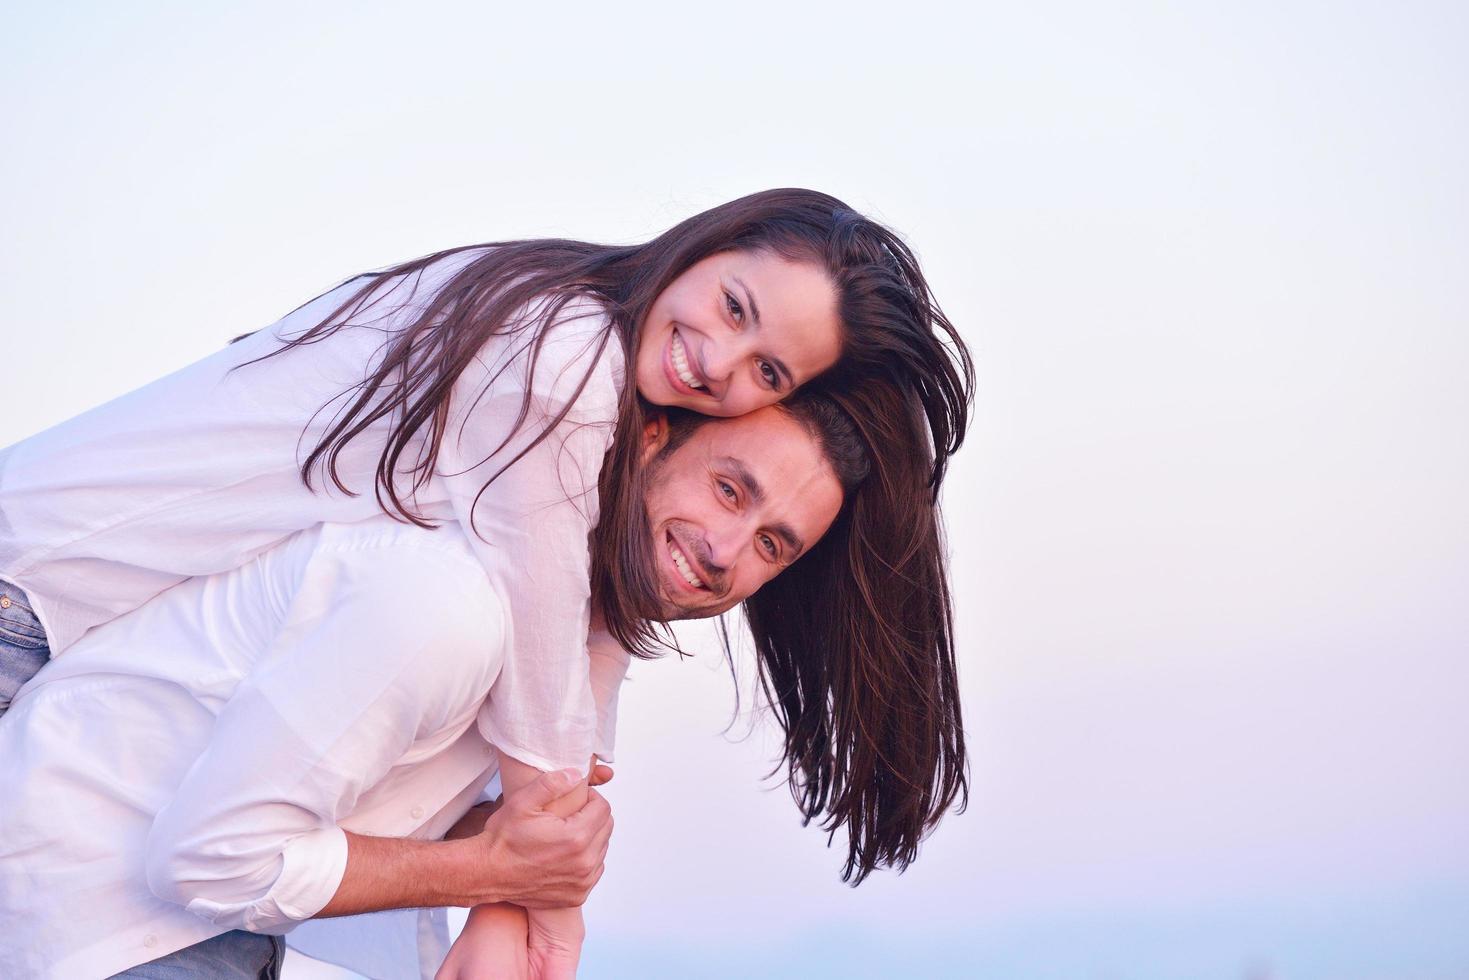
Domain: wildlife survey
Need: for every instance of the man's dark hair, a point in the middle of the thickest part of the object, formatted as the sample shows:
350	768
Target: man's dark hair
832	431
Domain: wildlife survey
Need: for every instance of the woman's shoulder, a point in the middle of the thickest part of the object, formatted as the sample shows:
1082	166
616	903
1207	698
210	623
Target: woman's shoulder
564	350
581	341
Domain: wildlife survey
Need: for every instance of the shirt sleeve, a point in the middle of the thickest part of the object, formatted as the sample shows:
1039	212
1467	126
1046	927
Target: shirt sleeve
377	650
530	525
608	669
609	663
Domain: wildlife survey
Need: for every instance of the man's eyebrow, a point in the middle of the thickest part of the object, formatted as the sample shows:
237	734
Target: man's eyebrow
756	492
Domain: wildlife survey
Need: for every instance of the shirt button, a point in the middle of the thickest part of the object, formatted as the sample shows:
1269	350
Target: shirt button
416	812
150	941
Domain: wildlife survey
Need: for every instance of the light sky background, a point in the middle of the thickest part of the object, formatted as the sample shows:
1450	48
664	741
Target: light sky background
1210	534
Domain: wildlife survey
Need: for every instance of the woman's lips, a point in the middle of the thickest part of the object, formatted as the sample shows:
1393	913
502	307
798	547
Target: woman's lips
670	370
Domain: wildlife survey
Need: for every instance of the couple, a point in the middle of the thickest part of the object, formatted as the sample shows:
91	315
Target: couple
274	701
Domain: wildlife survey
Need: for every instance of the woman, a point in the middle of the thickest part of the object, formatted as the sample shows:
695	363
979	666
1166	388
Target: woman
487	384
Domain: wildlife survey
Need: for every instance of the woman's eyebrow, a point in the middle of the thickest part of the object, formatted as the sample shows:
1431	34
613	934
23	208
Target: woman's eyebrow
749	299
775	362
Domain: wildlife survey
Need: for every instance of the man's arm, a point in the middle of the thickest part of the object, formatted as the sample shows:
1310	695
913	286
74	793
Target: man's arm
251	837
526	854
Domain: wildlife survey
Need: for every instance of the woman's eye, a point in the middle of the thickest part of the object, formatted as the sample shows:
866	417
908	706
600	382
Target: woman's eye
735	309
771	376
727	490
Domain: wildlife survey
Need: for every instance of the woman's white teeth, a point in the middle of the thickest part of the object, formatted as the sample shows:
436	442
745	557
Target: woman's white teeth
681	364
683	566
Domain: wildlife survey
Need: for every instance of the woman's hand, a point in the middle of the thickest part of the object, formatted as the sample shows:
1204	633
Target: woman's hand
554	938
491	947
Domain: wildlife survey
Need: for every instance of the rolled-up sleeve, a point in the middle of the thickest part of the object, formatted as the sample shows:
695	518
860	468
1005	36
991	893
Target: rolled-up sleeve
378	648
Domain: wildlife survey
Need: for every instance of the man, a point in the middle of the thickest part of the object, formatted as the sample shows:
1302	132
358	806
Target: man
301	737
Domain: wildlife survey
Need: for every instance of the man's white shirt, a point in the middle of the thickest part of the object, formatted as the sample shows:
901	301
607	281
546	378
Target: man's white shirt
191	767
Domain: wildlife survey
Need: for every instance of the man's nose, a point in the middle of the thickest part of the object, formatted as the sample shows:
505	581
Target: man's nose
725	542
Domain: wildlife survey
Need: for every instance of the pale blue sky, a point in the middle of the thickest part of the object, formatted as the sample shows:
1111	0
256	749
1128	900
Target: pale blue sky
1209	536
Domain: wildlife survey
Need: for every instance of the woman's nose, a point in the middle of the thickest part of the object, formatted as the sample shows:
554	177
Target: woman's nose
722	358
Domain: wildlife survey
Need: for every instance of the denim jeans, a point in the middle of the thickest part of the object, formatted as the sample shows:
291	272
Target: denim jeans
234	955
23	646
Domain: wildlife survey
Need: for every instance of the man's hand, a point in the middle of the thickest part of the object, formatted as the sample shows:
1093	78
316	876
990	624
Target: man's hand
474	821
523	854
541	860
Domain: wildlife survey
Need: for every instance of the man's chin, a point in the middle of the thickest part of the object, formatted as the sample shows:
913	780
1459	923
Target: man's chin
673	612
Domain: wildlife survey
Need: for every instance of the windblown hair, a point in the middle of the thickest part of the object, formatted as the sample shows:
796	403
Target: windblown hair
892	328
854	642
855	639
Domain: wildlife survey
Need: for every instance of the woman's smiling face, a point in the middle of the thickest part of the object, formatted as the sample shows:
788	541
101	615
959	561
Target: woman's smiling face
737	331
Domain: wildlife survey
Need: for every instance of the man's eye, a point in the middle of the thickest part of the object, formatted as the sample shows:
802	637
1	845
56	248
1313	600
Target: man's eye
769	543
735	309
771	376
727	490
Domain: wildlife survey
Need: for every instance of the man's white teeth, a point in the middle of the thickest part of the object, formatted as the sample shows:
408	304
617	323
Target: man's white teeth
681	364
683	566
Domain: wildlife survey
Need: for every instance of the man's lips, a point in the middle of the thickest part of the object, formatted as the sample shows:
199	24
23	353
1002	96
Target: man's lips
683	567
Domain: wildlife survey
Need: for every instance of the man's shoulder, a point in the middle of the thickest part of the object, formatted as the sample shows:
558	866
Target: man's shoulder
400	601
428	573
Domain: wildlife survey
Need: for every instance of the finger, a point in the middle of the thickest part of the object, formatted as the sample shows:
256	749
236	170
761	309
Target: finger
602	840
601	775
593	815
548	787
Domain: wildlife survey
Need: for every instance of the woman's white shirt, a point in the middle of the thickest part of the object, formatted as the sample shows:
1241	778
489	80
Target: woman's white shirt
189	767
199	472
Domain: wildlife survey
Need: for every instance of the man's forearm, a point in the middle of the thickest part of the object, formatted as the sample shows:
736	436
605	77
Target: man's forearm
474	821
398	873
523	853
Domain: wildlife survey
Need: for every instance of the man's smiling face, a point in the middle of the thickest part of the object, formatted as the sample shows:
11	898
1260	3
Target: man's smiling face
732	506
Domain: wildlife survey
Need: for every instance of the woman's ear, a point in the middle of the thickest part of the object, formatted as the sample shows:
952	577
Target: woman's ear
655	435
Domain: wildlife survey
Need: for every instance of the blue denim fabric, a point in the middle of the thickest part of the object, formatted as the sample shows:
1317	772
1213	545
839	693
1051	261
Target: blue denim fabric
234	955
23	646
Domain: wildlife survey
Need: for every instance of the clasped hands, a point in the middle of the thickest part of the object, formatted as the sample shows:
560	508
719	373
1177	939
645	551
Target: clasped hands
548	866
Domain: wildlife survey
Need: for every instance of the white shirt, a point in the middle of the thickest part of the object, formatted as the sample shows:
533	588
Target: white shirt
189	768
199	472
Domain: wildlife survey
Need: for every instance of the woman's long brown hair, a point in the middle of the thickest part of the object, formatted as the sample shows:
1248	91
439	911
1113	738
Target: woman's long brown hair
855	640
855	644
